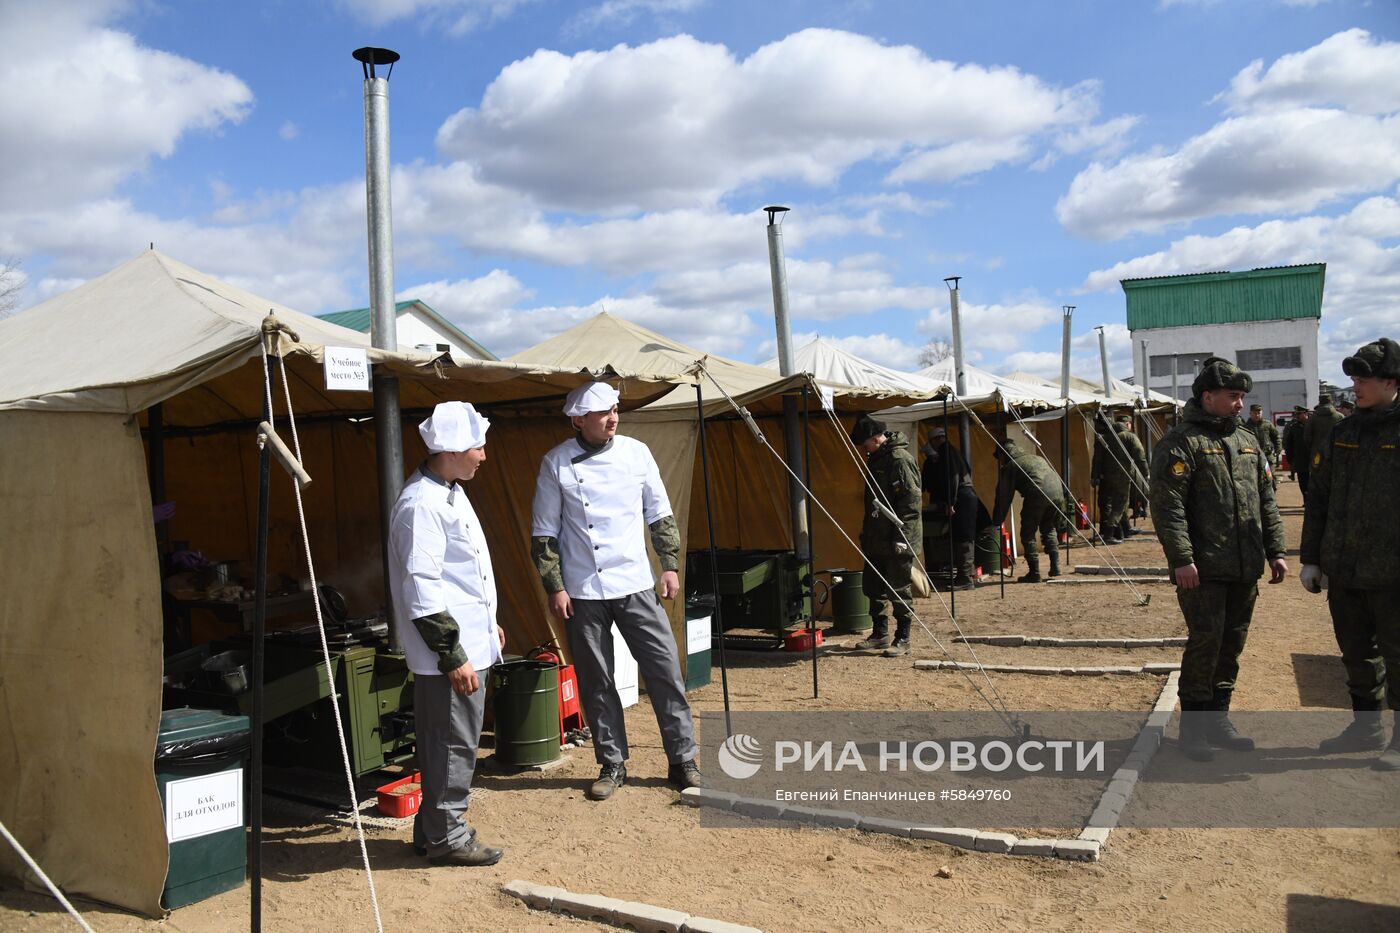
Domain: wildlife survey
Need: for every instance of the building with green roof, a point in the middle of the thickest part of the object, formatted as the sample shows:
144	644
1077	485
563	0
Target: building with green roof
1265	320
418	327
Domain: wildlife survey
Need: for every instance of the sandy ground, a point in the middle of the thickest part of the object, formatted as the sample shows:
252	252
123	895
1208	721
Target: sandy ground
643	846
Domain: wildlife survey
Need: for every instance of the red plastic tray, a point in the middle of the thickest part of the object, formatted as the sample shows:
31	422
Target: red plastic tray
401	804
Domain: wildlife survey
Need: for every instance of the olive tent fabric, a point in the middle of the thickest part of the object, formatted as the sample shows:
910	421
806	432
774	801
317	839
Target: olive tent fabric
80	656
81	650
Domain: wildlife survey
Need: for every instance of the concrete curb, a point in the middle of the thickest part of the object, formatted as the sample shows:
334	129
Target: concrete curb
1085	581
1101	569
1037	669
632	915
1038	641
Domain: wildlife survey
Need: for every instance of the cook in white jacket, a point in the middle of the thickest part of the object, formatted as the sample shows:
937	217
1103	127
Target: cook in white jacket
444	594
597	498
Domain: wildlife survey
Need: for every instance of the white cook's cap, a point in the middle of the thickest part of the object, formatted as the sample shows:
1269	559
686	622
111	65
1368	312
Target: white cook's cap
453	428
591	396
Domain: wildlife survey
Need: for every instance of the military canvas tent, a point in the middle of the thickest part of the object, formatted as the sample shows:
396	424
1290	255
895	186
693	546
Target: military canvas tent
748	485
80	615
830	363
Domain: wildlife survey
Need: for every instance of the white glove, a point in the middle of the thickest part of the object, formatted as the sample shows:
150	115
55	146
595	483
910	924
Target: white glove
1313	579
901	548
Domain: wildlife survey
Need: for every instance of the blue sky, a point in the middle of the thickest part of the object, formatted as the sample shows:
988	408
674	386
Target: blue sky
553	159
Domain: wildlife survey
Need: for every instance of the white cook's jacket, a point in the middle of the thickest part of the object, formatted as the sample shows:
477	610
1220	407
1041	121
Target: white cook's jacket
438	562
599	509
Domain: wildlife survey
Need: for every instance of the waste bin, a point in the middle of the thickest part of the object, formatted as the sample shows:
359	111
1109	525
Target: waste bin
200	759
527	711
850	608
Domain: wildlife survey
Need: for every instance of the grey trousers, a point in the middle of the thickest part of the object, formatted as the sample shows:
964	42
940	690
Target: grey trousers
642	622
448	730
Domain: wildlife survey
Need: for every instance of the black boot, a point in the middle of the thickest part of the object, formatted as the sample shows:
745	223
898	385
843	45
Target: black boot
1054	563
1364	733
877	639
1390	758
1193	731
1032	575
1220	731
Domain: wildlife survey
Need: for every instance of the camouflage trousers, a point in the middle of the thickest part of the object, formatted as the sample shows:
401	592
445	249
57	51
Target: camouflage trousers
1217	624
1367	626
1040	517
896	596
1113	505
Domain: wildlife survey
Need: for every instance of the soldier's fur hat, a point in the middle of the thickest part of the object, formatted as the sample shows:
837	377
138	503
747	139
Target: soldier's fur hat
866	428
1220	373
1379	359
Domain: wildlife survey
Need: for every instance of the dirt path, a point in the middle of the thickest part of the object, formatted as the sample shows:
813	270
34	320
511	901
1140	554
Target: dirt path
642	846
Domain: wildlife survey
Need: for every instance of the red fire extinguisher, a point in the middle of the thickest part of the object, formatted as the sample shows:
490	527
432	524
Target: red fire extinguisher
1082	519
1006	559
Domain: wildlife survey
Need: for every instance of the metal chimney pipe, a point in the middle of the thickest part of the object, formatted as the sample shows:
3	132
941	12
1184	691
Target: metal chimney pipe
383	331
959	373
797	498
1145	374
1103	360
1064	352
1176	398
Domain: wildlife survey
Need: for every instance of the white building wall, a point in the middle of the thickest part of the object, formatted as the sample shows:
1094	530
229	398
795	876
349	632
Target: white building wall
1226	340
414	331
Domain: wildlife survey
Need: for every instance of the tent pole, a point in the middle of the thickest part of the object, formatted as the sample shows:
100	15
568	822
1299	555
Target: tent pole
155	437
948	494
1064	474
1001	570
811	551
716	620
259	628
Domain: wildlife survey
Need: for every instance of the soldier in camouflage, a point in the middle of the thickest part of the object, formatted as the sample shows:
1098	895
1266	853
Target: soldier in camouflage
1319	428
1213	508
1120	463
888	544
1293	447
1269	441
1351	541
1042	504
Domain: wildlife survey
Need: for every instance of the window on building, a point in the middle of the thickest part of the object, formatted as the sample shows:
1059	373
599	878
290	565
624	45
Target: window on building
1270	358
1185	364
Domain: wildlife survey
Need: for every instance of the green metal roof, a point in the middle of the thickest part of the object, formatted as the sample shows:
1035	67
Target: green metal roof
357	318
1278	293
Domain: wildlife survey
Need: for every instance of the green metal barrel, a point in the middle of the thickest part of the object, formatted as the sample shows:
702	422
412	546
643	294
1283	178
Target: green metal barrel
527	712
850	610
988	552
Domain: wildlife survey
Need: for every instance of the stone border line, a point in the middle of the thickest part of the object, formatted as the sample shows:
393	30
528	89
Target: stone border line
1039	669
1084	848
1092	580
1111	571
1038	641
632	915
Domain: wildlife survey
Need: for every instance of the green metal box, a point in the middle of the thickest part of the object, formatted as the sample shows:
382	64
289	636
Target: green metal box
200	760
698	623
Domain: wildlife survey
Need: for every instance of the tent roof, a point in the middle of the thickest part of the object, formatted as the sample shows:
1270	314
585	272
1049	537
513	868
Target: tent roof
154	327
831	363
1085	390
982	384
606	339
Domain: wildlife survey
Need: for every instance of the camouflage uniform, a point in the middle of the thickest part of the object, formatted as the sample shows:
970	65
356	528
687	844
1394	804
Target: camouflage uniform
1042	503
1213	505
1268	437
897	477
1115	478
1319	426
1293	438
1351	529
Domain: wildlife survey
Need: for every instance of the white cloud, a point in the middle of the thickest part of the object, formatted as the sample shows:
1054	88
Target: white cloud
90	106
1351	69
877	348
965	157
1359	247
991	329
288	131
617	14
680	121
457	17
1315	127
475	305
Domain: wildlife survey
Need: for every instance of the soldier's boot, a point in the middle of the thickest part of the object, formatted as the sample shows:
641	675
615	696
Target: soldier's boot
1390	758
878	638
900	646
1054	563
1032	575
1220	731
967	557
1193	742
1365	732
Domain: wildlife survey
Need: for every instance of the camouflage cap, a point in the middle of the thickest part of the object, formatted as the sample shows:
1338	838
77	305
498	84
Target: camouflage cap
1300	409
1379	359
1220	373
1324	398
1256	407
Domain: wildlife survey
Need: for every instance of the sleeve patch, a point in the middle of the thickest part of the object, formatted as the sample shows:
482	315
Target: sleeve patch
1178	468
1317	459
